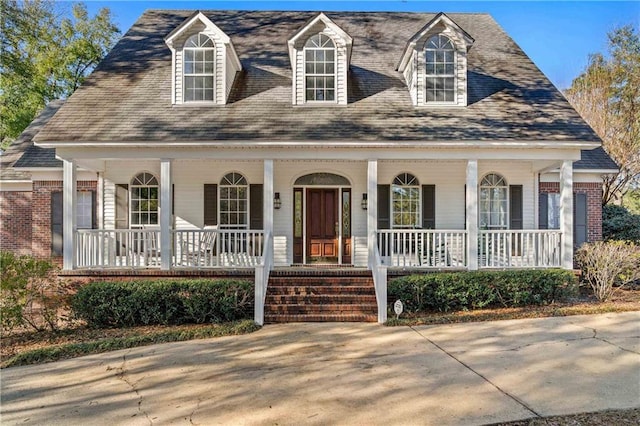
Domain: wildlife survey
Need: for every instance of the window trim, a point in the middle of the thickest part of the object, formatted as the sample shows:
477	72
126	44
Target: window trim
130	192
454	75
335	71
212	74
507	218
415	185
247	212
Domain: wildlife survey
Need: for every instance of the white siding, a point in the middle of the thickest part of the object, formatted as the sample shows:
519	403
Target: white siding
342	67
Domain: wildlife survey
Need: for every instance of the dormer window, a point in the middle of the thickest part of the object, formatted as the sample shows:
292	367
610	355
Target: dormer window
320	69
205	63
320	54
434	64
199	68
440	69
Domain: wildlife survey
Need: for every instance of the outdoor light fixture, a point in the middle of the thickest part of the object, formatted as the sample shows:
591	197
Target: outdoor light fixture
363	204
276	201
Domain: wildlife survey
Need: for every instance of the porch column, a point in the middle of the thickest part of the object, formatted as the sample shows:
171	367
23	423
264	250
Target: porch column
471	212
267	212
566	213
69	193
372	210
165	214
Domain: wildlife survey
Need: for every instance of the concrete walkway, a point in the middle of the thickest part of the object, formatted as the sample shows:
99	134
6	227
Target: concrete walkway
345	374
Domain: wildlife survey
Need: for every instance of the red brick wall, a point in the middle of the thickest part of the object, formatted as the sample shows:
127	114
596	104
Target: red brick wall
15	221
41	214
594	204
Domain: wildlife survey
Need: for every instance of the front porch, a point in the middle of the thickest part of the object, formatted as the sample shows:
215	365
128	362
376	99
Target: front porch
186	215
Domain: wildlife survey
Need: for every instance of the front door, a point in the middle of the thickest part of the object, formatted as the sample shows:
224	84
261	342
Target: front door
322	225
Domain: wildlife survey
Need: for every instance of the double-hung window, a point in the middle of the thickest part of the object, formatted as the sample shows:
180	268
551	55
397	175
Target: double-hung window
405	201
320	69
440	70
144	200
234	203
494	193
199	69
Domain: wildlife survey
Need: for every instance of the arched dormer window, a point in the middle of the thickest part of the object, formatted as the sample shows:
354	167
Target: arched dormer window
144	200
320	69
494	193
405	201
199	69
440	69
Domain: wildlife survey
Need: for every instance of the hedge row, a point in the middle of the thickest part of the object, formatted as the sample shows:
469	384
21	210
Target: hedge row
473	290
127	304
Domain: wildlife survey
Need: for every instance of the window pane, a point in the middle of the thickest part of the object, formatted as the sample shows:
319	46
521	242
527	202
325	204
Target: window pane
309	55
330	95
188	55
329	56
330	83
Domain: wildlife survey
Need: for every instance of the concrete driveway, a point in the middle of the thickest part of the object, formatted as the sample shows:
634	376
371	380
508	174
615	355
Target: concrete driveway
345	374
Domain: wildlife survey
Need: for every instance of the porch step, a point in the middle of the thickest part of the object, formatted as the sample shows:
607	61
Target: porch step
320	296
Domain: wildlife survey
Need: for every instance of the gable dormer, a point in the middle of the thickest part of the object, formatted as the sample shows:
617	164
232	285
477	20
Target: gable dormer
434	64
320	54
204	62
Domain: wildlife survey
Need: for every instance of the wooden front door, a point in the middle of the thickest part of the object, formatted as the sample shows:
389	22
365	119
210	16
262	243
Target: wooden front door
322	225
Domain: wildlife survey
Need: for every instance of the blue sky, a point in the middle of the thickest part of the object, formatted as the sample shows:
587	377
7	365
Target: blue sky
557	35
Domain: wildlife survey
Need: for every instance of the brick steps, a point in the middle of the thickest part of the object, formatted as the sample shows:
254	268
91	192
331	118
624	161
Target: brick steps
316	296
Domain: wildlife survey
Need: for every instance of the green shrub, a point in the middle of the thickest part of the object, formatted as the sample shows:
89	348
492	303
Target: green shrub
126	304
618	223
475	290
31	294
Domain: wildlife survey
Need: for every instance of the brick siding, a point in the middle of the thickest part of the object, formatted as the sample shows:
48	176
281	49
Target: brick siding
594	204
25	218
15	221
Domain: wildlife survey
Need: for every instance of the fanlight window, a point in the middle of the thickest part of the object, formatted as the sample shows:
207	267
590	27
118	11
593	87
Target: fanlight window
405	201
199	69
493	202
320	68
440	69
144	200
234	206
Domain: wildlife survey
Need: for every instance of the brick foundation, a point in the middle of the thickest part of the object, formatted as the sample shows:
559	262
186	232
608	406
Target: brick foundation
594	204
15	221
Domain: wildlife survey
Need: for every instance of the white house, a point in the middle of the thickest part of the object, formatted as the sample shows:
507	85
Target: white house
225	140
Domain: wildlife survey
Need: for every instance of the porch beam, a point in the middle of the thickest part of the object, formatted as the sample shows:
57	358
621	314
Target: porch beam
471	212
372	210
165	214
566	213
69	194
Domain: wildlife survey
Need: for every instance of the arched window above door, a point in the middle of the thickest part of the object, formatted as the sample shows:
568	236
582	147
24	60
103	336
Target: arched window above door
322	179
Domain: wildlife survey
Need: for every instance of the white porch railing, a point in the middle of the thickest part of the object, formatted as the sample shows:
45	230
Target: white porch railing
218	248
379	272
193	248
423	248
130	248
520	249
262	272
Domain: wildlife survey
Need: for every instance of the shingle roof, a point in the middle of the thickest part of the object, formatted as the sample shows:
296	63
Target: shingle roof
128	97
22	152
595	159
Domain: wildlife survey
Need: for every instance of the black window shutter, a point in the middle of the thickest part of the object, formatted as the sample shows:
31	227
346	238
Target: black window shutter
210	204
579	219
56	223
122	206
429	206
94	210
515	206
256	196
543	211
384	207
464	205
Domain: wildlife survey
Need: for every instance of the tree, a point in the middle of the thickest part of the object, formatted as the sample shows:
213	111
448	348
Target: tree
607	95
45	56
